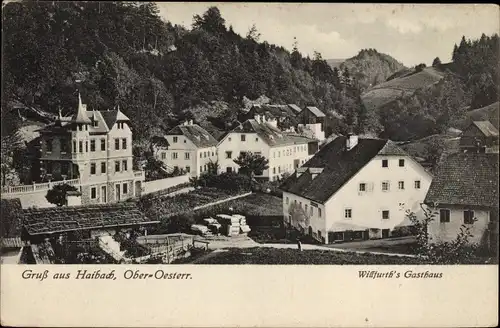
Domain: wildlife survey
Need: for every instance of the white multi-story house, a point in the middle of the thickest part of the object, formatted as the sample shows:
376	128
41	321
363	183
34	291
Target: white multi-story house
96	148
285	151
465	192
190	148
354	189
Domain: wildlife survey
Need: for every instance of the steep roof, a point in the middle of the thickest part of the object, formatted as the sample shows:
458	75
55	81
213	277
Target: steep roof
196	134
315	111
81	113
296	108
466	179
68	218
486	128
339	166
113	116
270	134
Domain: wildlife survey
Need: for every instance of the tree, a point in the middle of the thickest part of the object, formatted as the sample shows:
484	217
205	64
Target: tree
253	34
58	194
420	67
251	164
436	62
211	21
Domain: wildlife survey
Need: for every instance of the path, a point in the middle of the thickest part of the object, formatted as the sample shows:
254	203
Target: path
220	243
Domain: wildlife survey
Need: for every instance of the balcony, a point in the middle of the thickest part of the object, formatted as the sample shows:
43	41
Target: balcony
38	186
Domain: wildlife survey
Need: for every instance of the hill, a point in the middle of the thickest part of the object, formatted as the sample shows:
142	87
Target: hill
370	67
335	62
399	86
123	53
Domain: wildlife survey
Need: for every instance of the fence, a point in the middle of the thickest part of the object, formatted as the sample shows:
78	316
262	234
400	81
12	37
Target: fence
37	186
12	242
162	184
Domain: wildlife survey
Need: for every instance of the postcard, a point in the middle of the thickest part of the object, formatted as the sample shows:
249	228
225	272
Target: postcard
249	164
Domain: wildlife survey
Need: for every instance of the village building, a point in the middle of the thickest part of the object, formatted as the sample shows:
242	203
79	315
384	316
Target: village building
282	116
465	192
190	149
354	188
479	136
43	228
313	119
94	147
285	151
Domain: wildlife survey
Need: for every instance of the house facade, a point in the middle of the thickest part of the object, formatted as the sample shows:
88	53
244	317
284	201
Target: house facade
96	148
285	151
354	189
464	193
189	148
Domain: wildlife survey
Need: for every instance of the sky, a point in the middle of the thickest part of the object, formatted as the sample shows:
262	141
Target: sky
412	34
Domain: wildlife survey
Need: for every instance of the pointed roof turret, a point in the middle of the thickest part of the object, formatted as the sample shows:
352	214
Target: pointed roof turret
81	115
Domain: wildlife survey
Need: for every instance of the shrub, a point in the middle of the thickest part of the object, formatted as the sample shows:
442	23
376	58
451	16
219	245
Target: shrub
58	194
224	181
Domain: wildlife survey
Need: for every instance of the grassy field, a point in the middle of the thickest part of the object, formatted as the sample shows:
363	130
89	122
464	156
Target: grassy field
393	89
266	255
258	204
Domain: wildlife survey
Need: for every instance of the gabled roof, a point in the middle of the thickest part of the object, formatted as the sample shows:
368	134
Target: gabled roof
296	108
339	166
196	134
69	218
113	116
315	111
466	179
270	134
486	128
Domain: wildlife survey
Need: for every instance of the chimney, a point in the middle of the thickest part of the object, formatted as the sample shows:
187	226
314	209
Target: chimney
352	141
257	118
190	122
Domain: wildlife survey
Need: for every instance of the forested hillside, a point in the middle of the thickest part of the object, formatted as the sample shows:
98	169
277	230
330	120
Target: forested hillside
124	54
370	67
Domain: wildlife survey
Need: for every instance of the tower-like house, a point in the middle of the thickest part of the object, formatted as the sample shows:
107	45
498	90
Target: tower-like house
94	147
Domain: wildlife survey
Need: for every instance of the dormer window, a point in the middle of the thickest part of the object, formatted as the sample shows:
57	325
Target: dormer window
175	139
95	123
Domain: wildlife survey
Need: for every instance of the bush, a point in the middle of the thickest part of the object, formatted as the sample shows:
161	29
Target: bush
58	194
224	181
404	231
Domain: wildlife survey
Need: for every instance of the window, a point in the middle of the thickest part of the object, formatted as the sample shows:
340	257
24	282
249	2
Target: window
49	167
80	146
117	144
256	139
64	146
348	213
93	193
417	184
319	212
163	155
188	169
401	162
385	186
243	137
103	144
74	146
86	146
95	124
444	216
174	155
185	141
92	144
103	167
49	145
175	139
229	169
201	155
279	169
286	200
385	163
124	143
300	204
305	208
201	168
385	215
312	210
229	154
125	188
205	167
92	168
401	185
468	217
229	138
362	187
117	166
186	155
205	154
213	154
274	170
124	165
